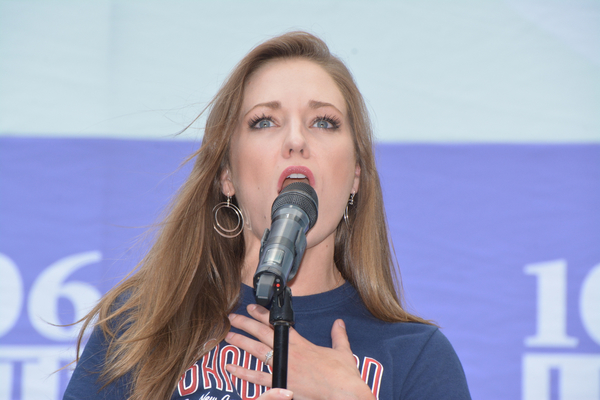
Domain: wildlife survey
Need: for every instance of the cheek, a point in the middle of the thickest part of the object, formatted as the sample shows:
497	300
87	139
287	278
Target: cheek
245	159
343	163
342	166
249	175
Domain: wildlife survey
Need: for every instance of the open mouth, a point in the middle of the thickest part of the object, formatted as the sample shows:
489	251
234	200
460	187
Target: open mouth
294	178
295	174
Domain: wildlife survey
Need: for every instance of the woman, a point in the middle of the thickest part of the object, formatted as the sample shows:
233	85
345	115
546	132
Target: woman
185	324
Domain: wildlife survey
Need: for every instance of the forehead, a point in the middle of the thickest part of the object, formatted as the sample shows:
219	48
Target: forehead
292	81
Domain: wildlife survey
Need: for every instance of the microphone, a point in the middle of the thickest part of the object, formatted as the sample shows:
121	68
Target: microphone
293	213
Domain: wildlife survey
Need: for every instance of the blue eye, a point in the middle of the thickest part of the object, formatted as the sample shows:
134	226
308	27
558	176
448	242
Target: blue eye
265	123
261	122
323	124
326	122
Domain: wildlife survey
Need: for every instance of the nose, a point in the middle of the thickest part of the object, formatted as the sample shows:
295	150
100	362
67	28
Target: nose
295	142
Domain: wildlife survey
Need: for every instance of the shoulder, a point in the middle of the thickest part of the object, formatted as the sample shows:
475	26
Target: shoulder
423	362
85	381
416	335
434	369
425	343
424	365
412	340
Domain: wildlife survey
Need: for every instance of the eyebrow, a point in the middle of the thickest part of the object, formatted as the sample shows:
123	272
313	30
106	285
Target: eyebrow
275	105
318	104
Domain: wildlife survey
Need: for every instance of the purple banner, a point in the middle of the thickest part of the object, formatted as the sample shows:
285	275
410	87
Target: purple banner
498	244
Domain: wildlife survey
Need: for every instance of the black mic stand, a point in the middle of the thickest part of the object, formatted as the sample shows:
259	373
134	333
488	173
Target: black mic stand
281	317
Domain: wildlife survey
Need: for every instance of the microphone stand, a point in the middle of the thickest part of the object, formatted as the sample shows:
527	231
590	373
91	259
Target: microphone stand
281	317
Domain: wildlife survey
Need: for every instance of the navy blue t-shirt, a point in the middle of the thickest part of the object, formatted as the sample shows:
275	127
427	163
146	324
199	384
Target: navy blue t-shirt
403	360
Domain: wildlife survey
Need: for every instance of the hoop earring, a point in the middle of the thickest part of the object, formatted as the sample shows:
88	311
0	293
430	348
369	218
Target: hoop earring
350	203
221	230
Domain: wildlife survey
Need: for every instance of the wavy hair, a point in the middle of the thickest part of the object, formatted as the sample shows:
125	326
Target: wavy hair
173	309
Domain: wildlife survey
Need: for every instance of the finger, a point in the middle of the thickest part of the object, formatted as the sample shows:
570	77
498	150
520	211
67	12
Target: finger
254	347
258	377
339	336
259	313
262	332
262	314
276	394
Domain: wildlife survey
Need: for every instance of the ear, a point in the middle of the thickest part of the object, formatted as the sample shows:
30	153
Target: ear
356	178
226	184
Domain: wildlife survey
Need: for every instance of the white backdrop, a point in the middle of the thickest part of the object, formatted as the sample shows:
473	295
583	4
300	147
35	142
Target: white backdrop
491	71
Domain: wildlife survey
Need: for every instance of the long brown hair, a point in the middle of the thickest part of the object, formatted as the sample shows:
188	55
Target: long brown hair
174	308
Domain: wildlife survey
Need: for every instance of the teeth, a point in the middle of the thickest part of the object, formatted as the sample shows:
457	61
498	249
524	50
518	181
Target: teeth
297	176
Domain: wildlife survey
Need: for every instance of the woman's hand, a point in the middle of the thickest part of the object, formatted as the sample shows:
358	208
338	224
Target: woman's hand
314	372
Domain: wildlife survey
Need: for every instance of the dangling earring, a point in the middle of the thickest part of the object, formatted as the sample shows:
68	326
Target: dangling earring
350	203
221	230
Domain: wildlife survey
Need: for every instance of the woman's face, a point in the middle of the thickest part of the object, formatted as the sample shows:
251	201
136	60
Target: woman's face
293	126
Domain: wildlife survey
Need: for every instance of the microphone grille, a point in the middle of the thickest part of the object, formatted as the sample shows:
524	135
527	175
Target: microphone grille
303	196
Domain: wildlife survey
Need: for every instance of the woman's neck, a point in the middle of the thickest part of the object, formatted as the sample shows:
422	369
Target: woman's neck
317	272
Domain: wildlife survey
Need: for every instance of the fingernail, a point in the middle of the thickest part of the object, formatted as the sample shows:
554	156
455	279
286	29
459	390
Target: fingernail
229	335
285	394
252	307
342	324
231	316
